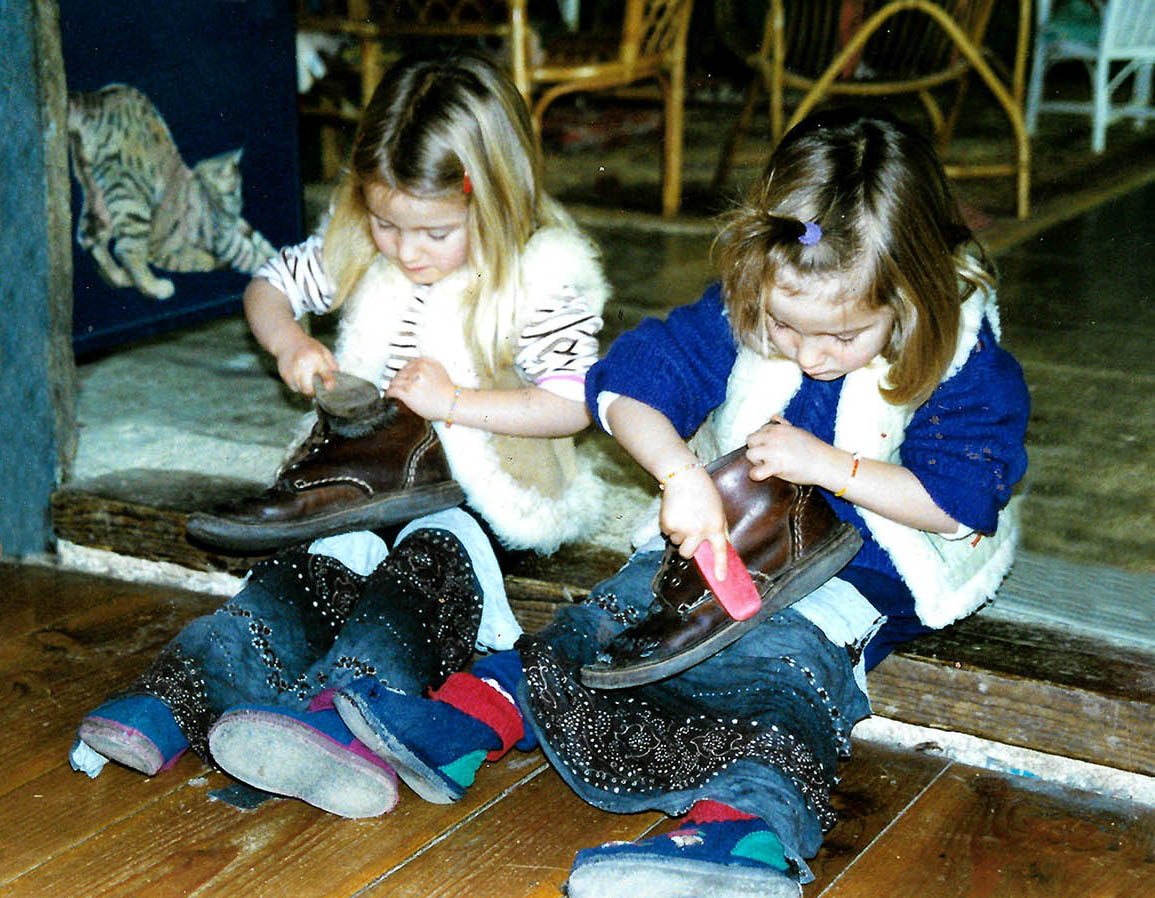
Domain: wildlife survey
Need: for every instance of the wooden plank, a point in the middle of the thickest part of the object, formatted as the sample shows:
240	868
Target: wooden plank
143	513
522	846
184	843
35	596
151	524
875	787
120	622
56	674
1012	694
1037	652
61	807
974	834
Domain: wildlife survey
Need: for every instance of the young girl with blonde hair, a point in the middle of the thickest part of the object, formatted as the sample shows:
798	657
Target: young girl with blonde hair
472	302
851	350
466	293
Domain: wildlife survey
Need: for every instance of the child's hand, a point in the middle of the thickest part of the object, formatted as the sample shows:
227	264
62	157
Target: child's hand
692	513
304	359
779	449
424	386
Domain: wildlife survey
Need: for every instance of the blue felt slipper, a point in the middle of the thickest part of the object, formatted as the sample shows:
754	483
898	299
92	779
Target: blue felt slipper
310	755
734	858
435	748
137	731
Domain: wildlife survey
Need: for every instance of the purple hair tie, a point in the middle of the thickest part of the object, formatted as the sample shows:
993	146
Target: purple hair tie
811	235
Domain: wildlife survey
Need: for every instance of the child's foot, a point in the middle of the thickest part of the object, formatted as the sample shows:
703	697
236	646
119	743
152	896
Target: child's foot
735	858
310	755
435	748
137	731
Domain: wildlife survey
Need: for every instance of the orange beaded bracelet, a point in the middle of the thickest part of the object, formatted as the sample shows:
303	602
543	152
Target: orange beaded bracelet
452	407
689	466
854	460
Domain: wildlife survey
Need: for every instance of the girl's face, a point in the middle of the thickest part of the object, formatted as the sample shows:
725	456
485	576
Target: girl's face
426	238
813	325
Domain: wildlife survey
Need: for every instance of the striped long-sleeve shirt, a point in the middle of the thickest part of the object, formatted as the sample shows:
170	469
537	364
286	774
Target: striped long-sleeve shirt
555	348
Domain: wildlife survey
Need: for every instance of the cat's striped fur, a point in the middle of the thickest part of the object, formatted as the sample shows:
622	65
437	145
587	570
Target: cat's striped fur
143	206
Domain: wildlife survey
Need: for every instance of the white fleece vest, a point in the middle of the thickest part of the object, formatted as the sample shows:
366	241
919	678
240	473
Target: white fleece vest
949	577
531	491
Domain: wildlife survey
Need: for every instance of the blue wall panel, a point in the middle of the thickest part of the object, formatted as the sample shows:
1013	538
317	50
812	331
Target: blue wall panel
222	73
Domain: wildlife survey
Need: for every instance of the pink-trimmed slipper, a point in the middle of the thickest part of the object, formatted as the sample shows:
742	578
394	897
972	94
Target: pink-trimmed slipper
137	731
309	755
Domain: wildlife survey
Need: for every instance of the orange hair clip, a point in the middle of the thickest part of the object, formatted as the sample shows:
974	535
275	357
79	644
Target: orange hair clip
466	186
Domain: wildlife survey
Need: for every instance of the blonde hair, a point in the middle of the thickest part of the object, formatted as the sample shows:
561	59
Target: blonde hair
891	231
431	122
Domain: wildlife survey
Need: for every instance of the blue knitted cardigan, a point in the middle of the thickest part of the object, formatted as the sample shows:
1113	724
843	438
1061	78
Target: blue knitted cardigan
965	443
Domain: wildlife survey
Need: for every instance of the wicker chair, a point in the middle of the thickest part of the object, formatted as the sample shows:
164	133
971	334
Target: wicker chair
1124	33
873	48
650	46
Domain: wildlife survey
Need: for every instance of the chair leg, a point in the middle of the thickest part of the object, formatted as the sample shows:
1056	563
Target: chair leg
1035	89
674	91
332	152
730	145
948	125
1141	93
1101	105
934	113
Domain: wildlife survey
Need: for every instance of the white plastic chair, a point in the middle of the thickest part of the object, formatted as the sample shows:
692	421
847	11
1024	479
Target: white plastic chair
1124	32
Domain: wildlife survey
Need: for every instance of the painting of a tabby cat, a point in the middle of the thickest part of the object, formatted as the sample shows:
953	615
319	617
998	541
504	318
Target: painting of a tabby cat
143	206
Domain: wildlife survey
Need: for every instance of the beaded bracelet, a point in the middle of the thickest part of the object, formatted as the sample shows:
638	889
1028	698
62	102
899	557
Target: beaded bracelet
854	460
452	407
688	466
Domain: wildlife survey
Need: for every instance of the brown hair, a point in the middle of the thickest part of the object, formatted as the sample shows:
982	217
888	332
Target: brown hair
891	230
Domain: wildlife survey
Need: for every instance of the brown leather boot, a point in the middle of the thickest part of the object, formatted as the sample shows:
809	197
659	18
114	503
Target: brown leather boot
791	542
383	466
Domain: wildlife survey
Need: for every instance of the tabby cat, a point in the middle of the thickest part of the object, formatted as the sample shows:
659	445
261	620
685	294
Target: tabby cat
143	206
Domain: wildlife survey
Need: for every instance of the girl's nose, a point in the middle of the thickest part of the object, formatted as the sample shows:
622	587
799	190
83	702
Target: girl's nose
407	249
809	353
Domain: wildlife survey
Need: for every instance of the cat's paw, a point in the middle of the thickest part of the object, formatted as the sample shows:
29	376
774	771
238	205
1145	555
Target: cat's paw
161	290
157	288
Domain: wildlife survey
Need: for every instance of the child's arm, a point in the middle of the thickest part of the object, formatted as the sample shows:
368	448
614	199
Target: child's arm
692	510
424	386
299	356
780	449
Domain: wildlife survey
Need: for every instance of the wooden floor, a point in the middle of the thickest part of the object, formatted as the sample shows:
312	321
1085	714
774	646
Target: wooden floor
911	824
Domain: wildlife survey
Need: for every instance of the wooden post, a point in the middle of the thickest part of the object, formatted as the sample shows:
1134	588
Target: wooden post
37	370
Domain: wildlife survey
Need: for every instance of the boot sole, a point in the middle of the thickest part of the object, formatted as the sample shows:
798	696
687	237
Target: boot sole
265	751
659	877
423	779
228	533
795	583
122	743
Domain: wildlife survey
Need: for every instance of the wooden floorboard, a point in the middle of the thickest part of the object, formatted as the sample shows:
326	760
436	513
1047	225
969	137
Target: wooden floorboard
522	845
910	824
973	834
875	787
